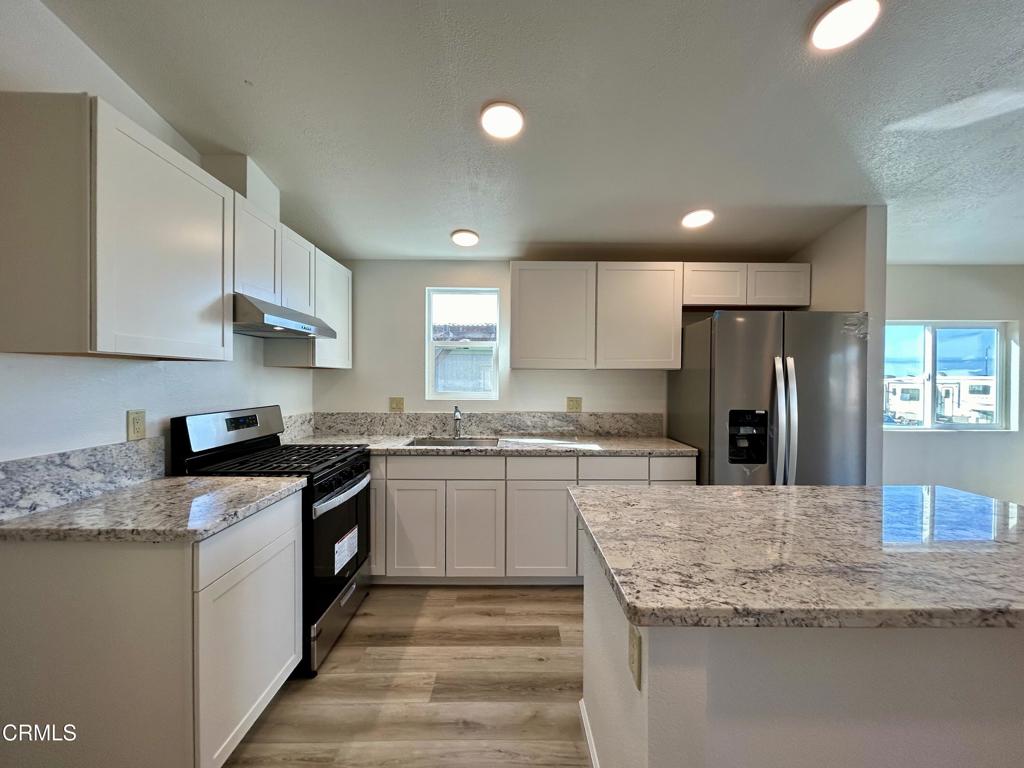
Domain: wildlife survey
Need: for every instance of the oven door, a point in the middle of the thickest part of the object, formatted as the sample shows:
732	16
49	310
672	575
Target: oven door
341	535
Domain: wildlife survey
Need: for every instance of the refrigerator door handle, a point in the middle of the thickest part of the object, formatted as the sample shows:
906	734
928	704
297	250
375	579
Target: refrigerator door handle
781	439
794	420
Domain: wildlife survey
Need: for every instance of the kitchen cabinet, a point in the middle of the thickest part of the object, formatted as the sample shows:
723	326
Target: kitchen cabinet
258	265
475	528
541	529
123	245
779	285
714	285
378	527
298	265
332	303
415	528
554	314
639	314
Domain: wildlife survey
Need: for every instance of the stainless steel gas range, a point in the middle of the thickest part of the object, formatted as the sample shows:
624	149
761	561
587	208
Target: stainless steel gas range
335	506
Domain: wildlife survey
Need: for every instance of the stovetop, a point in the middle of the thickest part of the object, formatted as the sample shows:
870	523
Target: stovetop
313	460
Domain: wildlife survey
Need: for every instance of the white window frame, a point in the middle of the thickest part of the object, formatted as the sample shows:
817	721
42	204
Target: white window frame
1005	376
431	346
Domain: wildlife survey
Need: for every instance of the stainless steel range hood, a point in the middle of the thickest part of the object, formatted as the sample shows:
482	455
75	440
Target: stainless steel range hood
255	317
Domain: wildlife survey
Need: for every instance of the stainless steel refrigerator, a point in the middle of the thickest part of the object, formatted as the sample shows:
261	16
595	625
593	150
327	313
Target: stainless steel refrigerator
773	398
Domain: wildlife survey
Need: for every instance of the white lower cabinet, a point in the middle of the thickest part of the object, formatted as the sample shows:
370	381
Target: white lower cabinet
475	528
541	529
248	640
378	528
415	528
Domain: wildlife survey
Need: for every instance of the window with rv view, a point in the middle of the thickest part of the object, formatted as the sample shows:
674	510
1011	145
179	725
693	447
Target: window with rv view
944	375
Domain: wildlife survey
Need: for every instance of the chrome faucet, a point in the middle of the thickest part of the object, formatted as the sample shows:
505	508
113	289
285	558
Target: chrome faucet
457	423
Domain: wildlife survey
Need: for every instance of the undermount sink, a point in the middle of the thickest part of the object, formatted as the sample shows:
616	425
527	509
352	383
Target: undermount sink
456	442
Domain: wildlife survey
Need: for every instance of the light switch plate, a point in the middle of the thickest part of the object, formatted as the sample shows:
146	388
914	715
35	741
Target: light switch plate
574	405
396	405
635	654
136	425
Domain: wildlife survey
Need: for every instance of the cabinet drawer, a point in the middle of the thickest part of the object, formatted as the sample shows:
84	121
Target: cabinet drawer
613	468
673	468
446	468
672	482
542	468
215	556
585	483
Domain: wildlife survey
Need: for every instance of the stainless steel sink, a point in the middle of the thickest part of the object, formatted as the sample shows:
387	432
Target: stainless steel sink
456	442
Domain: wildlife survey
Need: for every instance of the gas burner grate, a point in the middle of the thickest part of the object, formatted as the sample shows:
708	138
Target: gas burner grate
288	459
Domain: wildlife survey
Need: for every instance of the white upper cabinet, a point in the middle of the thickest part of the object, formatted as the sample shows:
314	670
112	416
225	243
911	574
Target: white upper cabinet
122	244
554	314
639	314
257	252
779	285
712	284
298	264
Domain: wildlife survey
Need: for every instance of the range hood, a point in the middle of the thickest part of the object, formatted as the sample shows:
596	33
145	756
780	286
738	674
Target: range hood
255	317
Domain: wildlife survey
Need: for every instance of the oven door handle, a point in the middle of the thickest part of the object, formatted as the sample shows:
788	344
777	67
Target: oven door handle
339	498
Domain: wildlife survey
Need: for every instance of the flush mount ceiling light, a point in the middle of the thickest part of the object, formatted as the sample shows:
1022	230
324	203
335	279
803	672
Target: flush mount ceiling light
697	219
465	238
843	23
501	120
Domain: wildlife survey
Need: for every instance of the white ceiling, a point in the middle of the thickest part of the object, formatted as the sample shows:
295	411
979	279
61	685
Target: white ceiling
365	114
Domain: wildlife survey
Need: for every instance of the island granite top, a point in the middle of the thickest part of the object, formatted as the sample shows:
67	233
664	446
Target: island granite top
166	509
530	445
808	556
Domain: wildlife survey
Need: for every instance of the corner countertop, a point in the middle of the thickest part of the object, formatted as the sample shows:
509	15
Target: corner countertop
167	509
808	556
541	445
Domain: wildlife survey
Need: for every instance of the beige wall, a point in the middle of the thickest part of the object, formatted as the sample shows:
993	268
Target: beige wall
50	404
389	316
984	462
848	274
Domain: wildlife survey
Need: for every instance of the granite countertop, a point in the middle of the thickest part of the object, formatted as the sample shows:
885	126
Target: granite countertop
806	556
554	445
161	510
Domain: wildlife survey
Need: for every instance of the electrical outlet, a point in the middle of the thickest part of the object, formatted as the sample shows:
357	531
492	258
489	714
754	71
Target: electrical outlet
396	404
574	405
136	425
635	654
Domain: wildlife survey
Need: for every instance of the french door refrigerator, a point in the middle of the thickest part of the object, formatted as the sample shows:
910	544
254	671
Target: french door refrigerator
773	398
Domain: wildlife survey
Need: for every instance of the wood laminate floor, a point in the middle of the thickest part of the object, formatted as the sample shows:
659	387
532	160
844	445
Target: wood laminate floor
438	677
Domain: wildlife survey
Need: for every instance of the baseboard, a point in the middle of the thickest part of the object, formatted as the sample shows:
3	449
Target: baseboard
481	581
591	747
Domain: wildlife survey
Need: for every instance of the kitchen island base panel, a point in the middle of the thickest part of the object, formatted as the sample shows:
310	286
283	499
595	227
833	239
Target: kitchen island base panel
799	697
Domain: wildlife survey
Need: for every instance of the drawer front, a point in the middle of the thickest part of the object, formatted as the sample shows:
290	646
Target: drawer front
446	468
215	556
673	482
542	468
673	468
613	468
585	483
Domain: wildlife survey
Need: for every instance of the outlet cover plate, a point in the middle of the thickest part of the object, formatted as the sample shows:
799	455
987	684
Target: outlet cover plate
396	405
574	405
136	425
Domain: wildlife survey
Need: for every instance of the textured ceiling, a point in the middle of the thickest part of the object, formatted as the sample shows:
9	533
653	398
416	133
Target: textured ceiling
365	115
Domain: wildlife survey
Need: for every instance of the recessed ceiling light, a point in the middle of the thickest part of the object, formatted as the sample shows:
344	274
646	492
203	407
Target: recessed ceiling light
502	120
465	238
843	23
698	218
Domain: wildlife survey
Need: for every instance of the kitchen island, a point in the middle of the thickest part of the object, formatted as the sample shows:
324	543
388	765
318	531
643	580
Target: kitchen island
801	626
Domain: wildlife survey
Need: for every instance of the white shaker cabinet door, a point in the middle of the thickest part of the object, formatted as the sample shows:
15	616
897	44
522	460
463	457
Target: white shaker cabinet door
298	257
415	528
257	252
475	528
541	529
712	284
779	285
163	248
639	314
334	306
554	320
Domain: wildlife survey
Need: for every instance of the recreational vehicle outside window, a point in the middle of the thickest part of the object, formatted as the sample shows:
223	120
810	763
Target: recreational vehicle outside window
948	375
462	344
